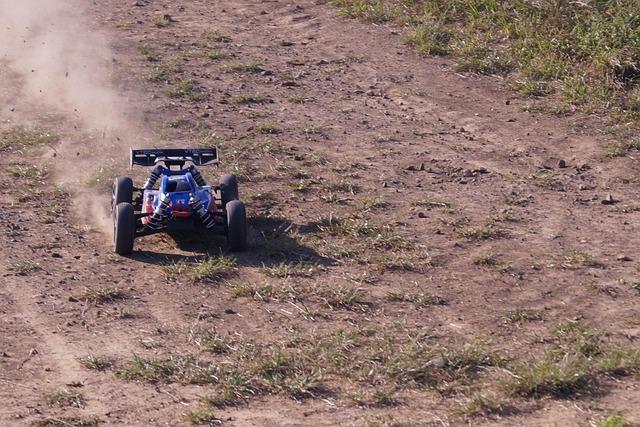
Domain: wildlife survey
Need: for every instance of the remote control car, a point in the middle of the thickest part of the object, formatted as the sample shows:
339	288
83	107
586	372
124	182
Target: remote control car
176	198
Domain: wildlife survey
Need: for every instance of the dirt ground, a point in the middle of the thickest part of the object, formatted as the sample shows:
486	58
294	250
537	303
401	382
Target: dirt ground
342	137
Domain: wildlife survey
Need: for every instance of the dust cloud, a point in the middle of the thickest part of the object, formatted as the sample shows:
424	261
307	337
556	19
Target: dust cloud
60	65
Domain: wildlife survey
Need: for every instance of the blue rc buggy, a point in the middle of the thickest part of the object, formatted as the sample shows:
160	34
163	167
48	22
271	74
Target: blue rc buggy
176	198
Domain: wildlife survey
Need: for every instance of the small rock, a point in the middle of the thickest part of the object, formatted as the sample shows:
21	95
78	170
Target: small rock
229	311
562	164
411	168
623	258
73	299
421	166
205	114
266	73
421	215
608	200
384	184
56	255
507	102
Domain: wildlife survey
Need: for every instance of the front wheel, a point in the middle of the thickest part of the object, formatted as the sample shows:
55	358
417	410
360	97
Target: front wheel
124	228
236	226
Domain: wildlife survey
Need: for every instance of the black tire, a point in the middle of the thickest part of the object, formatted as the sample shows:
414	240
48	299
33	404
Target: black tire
124	228
228	189
236	226
122	191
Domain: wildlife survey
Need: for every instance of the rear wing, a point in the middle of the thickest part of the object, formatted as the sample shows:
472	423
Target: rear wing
197	156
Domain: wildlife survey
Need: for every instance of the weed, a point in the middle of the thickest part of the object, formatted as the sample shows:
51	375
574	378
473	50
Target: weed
267	128
620	149
617	421
208	270
288	269
150	54
215	36
97	363
202	417
432	203
163	21
101	295
23	268
573	258
24	137
68	422
523	315
567	377
186	88
246	99
214	54
420	300
65	398
245	67
483	406
300	99
345	297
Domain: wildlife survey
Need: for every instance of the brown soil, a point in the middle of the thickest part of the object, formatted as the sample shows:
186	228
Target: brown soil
391	123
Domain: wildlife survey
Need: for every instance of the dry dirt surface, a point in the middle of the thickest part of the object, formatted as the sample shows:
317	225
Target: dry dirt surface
424	251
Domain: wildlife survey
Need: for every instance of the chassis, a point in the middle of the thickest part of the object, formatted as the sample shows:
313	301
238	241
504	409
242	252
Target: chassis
176	198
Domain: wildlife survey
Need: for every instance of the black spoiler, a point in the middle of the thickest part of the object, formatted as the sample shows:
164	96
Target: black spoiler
197	156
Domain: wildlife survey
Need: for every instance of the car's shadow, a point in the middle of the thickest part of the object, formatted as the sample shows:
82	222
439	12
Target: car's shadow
272	241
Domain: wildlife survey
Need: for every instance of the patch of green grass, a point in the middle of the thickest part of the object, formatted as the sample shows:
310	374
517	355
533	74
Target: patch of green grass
343	186
523	315
432	203
68	422
97	363
420	299
295	269
245	67
370	10
166	71
488	260
163	21
617	421
246	99
431	38
24	268
573	258
101	295
25	137
33	174
214	54
65	398
267	128
484	406
568	377
546	179
215	36
149	53
588	51
203	417
186	88
299	99
622	148
343	297
209	270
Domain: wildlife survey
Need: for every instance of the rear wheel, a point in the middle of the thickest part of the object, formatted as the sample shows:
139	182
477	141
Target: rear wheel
236	226
124	228
122	191
228	189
